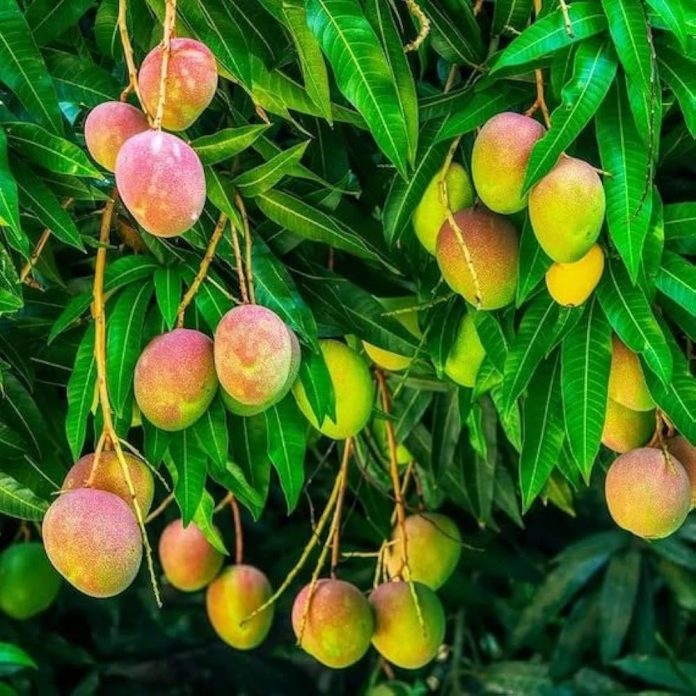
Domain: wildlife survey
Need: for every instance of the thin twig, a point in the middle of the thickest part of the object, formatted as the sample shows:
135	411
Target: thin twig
239	264
160	508
238	532
202	270
239	202
128	56
336	541
423	25
169	21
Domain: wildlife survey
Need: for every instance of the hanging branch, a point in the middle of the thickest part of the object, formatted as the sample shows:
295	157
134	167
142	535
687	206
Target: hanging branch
540	101
202	270
239	202
169	22
129	57
423	24
239	264
109	438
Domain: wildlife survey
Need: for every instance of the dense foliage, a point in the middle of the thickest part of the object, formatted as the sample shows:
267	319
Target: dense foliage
326	132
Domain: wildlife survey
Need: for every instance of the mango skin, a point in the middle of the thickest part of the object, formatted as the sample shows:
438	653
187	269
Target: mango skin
339	623
92	539
399	637
108	477
188	559
685	452
433	545
379	430
108	126
160	180
431	212
566	209
627	383
571	284
626	429
257	357
192	79
353	389
386	359
493	247
466	354
499	160
28	582
231	597
647	494
175	379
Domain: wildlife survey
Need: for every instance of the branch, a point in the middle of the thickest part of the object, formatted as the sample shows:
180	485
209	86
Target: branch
203	269
247	242
239	264
169	21
423	24
128	56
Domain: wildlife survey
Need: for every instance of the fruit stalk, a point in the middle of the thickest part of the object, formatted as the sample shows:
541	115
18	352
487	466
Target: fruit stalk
423	24
239	264
239	202
169	22
109	432
202	270
540	101
128	56
336	537
238	532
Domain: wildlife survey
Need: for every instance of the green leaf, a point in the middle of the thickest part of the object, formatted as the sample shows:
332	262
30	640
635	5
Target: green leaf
679	73
594	69
405	194
249	442
48	19
168	293
680	219
533	263
23	70
510	14
626	158
539	329
542	430
276	290
362	72
126	320
13	656
671	12
212	302
382	19
258	180
210	23
660	671
446	428
50	151
314	73
18	501
618	597
493	338
9	198
549	34
287	442
316	381
586	359
632	319
38	198
189	458
80	81
226	143
479	108
677	279
443	322
212	434
456	35
10	286
203	519
81	393
156	443
311	223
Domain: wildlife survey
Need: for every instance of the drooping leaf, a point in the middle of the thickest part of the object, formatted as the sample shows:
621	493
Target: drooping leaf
9	198
167	283
676	278
258	180
678	73
189	458
81	393
456	35
226	143
48	19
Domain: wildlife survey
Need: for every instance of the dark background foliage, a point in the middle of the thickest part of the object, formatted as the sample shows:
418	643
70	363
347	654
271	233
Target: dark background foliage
558	603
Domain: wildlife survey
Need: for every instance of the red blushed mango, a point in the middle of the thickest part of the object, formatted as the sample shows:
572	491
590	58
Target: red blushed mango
232	597
191	82
648	493
188	559
499	160
257	357
399	636
175	379
108	126
92	539
685	452
339	623
478	258
109	477
160	180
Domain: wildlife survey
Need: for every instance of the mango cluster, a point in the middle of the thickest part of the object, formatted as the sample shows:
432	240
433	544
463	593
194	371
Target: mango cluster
477	248
403	619
159	177
90	532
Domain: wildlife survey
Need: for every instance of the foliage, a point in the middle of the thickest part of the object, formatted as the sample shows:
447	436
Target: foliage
330	133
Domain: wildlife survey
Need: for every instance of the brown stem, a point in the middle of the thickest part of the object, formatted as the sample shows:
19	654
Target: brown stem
478	6
109	432
423	24
566	18
160	508
540	101
336	542
238	532
239	202
239	264
169	21
128	56
202	270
